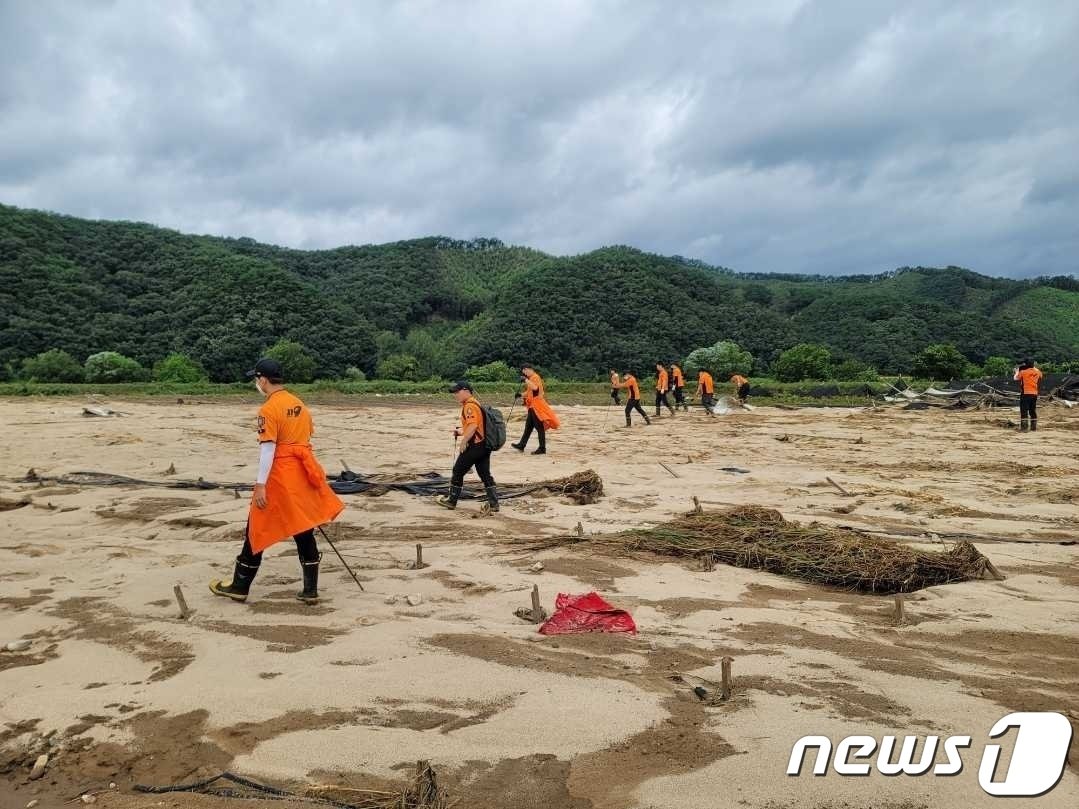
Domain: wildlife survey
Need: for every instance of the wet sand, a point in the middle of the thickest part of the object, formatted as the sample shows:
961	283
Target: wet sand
355	690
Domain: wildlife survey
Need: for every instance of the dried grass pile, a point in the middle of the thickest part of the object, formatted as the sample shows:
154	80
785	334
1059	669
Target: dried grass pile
582	488
760	538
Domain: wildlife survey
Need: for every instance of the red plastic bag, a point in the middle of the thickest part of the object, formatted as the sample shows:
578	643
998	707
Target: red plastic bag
586	613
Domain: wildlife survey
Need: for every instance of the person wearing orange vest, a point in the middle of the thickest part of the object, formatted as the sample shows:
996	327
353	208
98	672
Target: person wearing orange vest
291	496
741	387
662	386
1028	378
541	417
633	394
706	390
678	383
472	451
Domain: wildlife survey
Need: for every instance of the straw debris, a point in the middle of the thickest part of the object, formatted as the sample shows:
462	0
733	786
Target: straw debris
761	539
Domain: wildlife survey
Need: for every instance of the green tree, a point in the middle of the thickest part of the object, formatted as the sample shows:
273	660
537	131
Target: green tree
179	368
109	366
403	367
855	371
722	359
497	371
997	366
354	374
941	361
803	361
299	366
53	366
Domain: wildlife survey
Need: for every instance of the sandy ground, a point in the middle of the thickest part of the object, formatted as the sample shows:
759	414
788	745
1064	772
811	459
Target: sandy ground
355	690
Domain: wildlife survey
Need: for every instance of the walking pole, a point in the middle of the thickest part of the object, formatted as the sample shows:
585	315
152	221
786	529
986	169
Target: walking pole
339	556
607	412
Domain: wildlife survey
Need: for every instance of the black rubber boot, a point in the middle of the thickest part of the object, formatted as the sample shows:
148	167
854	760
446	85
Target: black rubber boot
648	421
491	506
309	593
1023	425
238	588
629	422
450	500
540	451
518	447
1034	425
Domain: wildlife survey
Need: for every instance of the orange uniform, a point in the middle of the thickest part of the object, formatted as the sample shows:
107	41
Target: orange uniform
535	398
738	380
1028	380
472	415
705	380
661	381
298	497
679	379
633	390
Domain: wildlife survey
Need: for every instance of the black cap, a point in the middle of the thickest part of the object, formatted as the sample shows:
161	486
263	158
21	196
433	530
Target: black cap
268	368
461	384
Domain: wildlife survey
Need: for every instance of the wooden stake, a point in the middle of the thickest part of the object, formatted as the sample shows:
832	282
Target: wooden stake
725	694
697	506
673	473
580	530
991	569
177	591
419	556
842	491
537	611
900	610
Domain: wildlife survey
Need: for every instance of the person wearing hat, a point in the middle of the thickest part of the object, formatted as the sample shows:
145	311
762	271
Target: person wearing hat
291	496
1028	378
678	384
663	385
472	450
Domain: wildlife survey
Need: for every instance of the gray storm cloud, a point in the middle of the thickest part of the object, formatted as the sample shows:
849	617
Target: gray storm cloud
830	137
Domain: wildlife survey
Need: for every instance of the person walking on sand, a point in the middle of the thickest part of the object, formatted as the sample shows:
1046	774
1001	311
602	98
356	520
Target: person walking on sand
662	386
633	401
706	390
541	417
1029	378
291	496
614	387
741	388
472	451
678	383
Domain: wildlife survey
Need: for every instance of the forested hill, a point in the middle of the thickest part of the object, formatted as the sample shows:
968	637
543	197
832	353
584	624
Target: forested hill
435	306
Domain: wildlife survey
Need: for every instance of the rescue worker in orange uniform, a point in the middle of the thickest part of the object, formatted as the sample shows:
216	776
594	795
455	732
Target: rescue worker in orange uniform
678	384
472	451
706	390
633	402
1028	378
662	386
741	387
291	496
541	417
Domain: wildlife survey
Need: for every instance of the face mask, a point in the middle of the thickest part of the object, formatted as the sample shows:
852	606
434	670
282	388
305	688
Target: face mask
258	387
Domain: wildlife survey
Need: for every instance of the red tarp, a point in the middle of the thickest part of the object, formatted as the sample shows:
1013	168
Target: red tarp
586	613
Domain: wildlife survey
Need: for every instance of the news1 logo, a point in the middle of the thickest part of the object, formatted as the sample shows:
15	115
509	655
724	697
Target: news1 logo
1036	766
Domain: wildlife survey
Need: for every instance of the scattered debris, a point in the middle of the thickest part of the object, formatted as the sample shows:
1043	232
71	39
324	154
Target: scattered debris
185	612
17	646
760	538
100	412
39	767
536	568
414	600
586	613
838	488
536	614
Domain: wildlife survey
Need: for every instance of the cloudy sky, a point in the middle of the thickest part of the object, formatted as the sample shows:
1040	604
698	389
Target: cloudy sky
840	136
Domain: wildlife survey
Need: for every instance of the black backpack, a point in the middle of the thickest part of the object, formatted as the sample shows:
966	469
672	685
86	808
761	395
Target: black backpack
494	428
